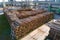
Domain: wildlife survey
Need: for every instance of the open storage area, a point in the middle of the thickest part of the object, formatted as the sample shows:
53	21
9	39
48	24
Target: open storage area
29	19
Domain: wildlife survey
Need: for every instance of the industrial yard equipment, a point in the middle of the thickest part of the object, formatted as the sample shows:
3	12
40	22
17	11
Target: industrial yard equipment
54	9
58	11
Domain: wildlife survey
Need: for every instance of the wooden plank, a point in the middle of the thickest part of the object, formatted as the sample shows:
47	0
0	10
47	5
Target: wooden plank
38	34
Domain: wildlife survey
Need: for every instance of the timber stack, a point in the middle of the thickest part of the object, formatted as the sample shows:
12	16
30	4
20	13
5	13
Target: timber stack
24	21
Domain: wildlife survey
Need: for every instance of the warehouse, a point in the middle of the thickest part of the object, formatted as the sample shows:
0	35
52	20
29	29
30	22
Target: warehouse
29	20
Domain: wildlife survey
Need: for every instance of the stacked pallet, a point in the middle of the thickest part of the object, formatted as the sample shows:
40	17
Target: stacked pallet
22	26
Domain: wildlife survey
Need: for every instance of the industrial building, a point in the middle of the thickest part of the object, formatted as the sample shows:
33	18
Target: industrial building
29	19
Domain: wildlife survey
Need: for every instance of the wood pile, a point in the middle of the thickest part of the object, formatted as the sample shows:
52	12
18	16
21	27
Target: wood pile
24	14
54	33
21	25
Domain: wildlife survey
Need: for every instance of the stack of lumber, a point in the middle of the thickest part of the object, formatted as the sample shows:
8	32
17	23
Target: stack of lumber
54	33
21	25
38	34
24	14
